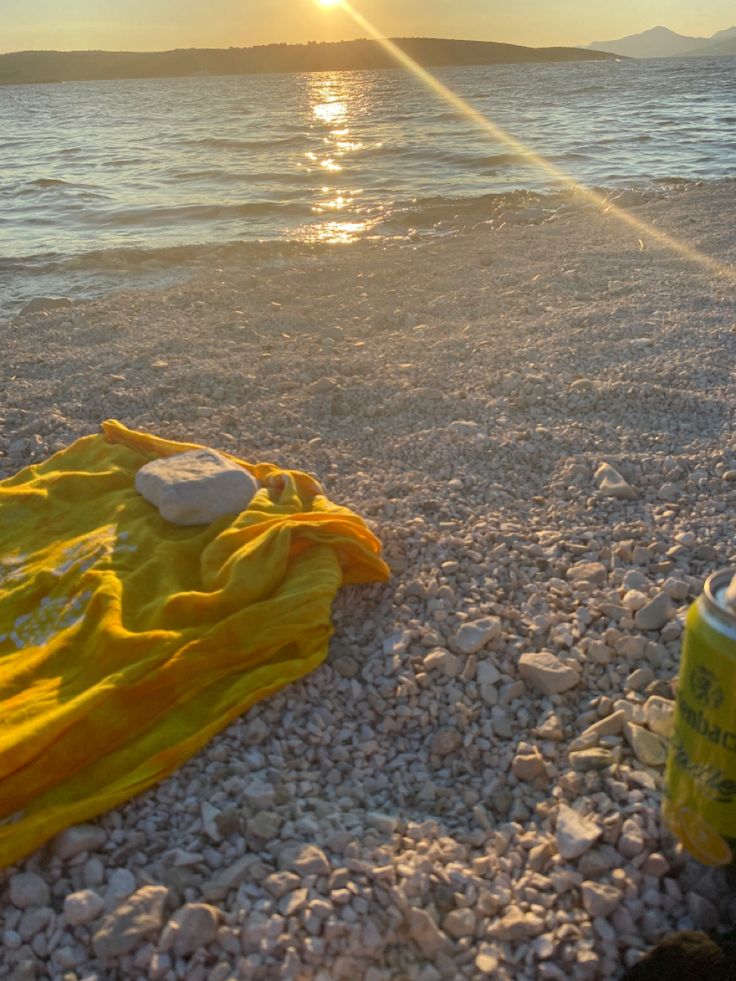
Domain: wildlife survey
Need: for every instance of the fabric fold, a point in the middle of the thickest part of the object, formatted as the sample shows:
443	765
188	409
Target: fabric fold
127	642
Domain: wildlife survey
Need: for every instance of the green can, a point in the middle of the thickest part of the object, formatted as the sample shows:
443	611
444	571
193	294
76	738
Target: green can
700	781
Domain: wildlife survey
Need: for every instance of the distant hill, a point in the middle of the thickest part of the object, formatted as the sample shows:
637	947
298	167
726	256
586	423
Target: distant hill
727	47
728	34
661	42
26	67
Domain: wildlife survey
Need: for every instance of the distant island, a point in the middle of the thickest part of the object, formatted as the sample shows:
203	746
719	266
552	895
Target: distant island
661	42
30	67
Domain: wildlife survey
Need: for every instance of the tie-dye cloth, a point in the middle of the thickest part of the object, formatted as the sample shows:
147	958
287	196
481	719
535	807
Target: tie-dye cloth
127	642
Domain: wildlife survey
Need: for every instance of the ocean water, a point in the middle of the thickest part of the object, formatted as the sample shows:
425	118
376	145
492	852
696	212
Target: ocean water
131	183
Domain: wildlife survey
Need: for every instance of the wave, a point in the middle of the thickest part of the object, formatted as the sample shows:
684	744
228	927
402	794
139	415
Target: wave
152	217
49	182
230	143
503	159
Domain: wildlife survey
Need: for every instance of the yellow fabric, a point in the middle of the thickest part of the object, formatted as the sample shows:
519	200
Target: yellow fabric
127	642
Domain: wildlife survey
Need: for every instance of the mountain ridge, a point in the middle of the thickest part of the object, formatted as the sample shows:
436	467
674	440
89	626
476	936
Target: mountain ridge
32	67
661	42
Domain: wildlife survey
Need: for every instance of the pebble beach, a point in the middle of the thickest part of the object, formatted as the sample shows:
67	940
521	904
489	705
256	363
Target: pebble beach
535	415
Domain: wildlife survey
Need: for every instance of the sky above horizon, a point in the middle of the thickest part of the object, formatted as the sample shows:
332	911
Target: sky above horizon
161	24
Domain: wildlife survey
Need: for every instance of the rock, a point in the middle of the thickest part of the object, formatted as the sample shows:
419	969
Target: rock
279	883
27	890
310	860
210	818
545	672
80	838
442	660
386	823
230	877
459	923
93	873
655	614
83	907
471	637
635	580
346	666
597	862
137	919
528	764
256	731
551	728
195	926
294	901
445	741
634	600
612	484
656	864
33	921
120	884
659	714
649	748
258	794
18	447
575	834
486	961
487	673
591	759
426	934
43	303
397	643
640	678
600	899
610	725
516	925
594	573
631	842
196	487
265	825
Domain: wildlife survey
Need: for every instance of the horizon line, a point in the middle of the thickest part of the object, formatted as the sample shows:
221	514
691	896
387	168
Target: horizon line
285	44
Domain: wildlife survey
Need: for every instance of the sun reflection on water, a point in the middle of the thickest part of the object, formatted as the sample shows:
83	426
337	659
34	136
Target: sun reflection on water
337	232
334	101
330	112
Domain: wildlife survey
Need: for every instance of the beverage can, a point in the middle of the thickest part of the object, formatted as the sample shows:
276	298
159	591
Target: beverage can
700	779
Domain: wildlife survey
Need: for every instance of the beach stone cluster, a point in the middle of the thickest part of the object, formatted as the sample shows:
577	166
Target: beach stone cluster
534	420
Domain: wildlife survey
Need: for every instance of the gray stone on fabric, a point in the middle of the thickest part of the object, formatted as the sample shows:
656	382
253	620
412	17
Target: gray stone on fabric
196	487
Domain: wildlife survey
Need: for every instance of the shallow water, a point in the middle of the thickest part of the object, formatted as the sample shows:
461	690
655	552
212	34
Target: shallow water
119	183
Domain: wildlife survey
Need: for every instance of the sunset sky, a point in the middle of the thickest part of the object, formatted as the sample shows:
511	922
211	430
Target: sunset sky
160	24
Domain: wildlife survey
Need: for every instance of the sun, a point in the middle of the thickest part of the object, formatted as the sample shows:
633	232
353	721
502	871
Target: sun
329	3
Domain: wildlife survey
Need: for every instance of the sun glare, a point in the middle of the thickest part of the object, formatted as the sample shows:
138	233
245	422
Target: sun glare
499	135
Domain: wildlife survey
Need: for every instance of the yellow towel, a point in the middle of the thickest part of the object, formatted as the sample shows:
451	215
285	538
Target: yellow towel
127	642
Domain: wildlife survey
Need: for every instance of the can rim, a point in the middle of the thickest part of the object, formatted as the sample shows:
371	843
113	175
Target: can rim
713	593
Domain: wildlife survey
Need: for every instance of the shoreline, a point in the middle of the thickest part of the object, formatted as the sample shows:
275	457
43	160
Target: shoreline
460	393
95	274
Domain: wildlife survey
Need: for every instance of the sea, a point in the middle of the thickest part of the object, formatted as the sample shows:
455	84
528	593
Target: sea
139	183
